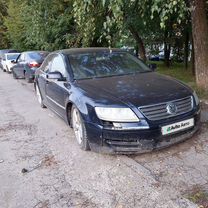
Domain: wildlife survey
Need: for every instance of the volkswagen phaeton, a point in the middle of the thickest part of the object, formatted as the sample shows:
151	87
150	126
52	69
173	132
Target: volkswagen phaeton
114	102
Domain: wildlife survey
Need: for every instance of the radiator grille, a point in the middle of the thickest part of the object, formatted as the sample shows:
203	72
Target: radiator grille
161	111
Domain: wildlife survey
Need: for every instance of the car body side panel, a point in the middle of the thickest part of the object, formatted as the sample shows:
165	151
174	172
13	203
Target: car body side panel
18	69
56	95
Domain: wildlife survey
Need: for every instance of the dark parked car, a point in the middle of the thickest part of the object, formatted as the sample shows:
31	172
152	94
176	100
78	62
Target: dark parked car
27	63
2	55
114	102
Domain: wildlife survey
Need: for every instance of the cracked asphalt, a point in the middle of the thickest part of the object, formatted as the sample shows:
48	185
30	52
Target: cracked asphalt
58	174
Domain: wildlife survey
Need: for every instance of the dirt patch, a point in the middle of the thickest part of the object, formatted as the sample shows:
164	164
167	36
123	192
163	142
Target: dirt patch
49	161
72	199
30	129
199	196
204	105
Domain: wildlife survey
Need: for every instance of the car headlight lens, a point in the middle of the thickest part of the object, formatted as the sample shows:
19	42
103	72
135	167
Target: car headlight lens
116	114
196	98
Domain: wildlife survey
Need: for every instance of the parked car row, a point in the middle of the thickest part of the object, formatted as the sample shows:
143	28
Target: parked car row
5	56
112	100
22	65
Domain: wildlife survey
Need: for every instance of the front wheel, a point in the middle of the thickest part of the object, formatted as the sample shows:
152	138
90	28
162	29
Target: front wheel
39	96
79	129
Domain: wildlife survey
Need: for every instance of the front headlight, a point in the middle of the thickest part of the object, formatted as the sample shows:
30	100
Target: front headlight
196	98
116	114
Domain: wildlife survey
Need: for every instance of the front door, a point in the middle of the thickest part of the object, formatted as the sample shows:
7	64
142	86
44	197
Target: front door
56	91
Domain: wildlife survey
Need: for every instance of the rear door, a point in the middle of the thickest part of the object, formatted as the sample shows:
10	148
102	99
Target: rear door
56	91
19	67
42	76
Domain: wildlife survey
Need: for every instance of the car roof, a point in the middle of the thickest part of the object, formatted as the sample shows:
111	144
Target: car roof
11	54
35	52
87	50
3	51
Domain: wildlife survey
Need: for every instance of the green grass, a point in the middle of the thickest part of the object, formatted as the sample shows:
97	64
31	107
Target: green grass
199	197
178	71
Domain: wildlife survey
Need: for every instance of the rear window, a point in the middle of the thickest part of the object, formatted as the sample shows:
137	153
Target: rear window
12	56
37	55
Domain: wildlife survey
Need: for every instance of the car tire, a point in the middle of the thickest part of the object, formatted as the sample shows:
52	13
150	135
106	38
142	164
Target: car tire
7	70
29	80
14	75
40	100
79	129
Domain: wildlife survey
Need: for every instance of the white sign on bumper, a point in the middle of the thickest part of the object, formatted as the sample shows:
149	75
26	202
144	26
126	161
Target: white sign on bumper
169	129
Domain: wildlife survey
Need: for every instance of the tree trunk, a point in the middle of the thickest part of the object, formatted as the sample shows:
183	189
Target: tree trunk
200	39
192	59
167	48
186	49
140	43
167	54
142	51
137	50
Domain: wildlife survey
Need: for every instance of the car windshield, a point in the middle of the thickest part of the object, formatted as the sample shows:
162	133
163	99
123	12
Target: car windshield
12	56
105	64
39	56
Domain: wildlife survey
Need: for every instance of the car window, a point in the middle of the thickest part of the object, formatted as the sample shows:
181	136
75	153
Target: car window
21	57
38	56
104	64
58	65
12	56
46	64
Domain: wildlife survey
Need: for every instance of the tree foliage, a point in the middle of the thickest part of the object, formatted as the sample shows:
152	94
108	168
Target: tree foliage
41	24
3	13
56	24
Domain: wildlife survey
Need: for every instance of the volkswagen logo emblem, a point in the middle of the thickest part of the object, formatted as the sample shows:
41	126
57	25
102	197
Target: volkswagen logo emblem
171	108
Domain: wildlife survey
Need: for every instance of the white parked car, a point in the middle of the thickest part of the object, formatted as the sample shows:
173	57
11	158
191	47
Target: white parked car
8	61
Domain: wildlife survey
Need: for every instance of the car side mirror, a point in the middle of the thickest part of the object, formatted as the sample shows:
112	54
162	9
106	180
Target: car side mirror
56	75
13	61
153	67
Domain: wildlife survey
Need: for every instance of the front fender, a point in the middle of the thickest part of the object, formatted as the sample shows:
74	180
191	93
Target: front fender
84	104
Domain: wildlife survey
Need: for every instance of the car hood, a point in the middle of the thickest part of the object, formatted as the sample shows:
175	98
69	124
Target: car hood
138	89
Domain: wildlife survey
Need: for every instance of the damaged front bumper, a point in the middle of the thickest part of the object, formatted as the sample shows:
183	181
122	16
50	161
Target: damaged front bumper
138	141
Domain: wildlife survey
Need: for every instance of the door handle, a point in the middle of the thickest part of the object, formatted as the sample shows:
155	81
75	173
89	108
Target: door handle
47	80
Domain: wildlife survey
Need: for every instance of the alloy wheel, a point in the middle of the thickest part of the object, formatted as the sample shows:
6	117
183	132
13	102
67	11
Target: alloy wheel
38	94
77	125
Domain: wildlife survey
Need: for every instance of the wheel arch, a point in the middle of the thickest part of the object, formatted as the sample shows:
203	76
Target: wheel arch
80	105
68	112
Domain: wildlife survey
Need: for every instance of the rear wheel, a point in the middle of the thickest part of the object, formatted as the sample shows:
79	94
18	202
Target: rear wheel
14	75
79	129
28	79
39	96
7	70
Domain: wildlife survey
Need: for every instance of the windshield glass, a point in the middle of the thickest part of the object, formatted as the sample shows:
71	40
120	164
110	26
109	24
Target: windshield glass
39	56
12	56
95	65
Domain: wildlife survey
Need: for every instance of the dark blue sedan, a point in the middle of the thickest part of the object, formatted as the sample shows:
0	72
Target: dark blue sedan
114	102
